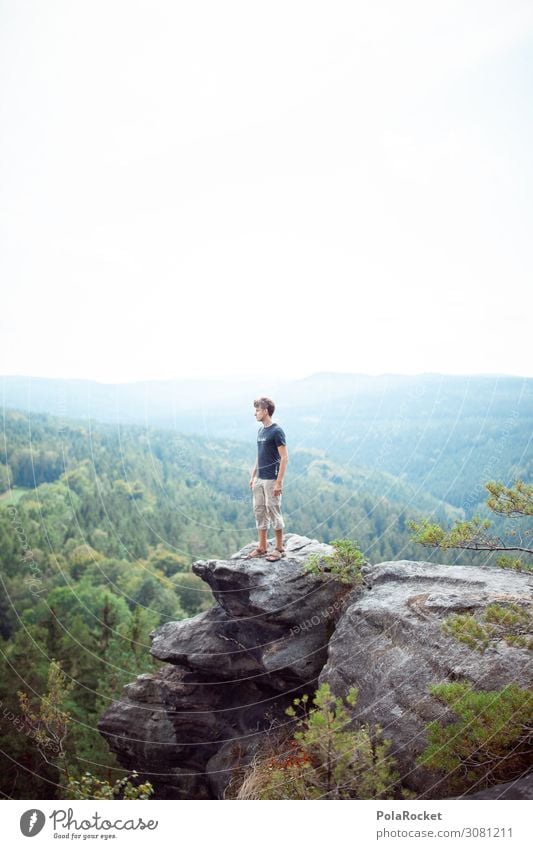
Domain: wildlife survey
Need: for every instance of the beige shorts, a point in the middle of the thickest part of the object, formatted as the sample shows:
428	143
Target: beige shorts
267	506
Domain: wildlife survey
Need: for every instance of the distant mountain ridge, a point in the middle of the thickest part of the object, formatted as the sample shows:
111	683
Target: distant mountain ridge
158	401
446	434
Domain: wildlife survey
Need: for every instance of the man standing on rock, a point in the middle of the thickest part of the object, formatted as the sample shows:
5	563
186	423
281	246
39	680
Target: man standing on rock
266	482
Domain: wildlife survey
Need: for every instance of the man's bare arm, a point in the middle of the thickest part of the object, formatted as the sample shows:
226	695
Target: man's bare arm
284	459
253	475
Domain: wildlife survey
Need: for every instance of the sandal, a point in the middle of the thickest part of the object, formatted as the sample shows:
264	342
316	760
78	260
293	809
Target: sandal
257	552
276	554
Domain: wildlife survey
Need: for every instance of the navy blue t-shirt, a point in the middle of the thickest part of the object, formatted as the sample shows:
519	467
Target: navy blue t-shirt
268	439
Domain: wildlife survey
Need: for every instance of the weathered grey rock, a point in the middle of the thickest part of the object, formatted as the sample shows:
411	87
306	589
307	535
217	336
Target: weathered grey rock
141	730
522	788
227	764
279	590
275	632
389	643
209	643
230	675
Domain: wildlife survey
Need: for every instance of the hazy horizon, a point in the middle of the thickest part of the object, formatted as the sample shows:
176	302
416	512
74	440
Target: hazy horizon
279	378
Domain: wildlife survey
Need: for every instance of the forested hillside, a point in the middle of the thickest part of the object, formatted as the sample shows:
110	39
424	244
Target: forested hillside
439	433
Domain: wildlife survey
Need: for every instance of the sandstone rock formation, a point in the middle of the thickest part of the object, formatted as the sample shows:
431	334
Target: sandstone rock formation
275	632
390	643
522	788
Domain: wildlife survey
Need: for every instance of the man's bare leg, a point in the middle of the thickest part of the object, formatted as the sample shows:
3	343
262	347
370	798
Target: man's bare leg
263	544
279	539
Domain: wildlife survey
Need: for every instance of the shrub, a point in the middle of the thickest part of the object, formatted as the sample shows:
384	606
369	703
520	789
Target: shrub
509	622
90	787
466	629
325	759
49	725
490	741
516	564
345	563
474	535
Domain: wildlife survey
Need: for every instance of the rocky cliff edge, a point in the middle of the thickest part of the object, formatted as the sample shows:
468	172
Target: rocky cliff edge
277	632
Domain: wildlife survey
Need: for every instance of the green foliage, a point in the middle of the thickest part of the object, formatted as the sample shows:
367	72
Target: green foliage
168	562
508	616
463	534
89	787
345	563
511	501
82	556
466	629
510	622
4	478
132	490
194	595
101	644
51	723
489	742
35	465
325	758
516	564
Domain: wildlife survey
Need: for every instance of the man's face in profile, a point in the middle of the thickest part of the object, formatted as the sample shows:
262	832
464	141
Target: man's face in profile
260	413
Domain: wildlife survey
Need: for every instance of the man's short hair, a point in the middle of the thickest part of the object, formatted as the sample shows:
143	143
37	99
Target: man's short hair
265	404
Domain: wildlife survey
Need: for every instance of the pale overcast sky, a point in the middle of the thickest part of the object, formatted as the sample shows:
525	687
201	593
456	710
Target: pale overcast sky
199	188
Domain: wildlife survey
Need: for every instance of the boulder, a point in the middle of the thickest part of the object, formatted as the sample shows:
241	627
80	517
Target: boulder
278	591
522	788
231	671
391	645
